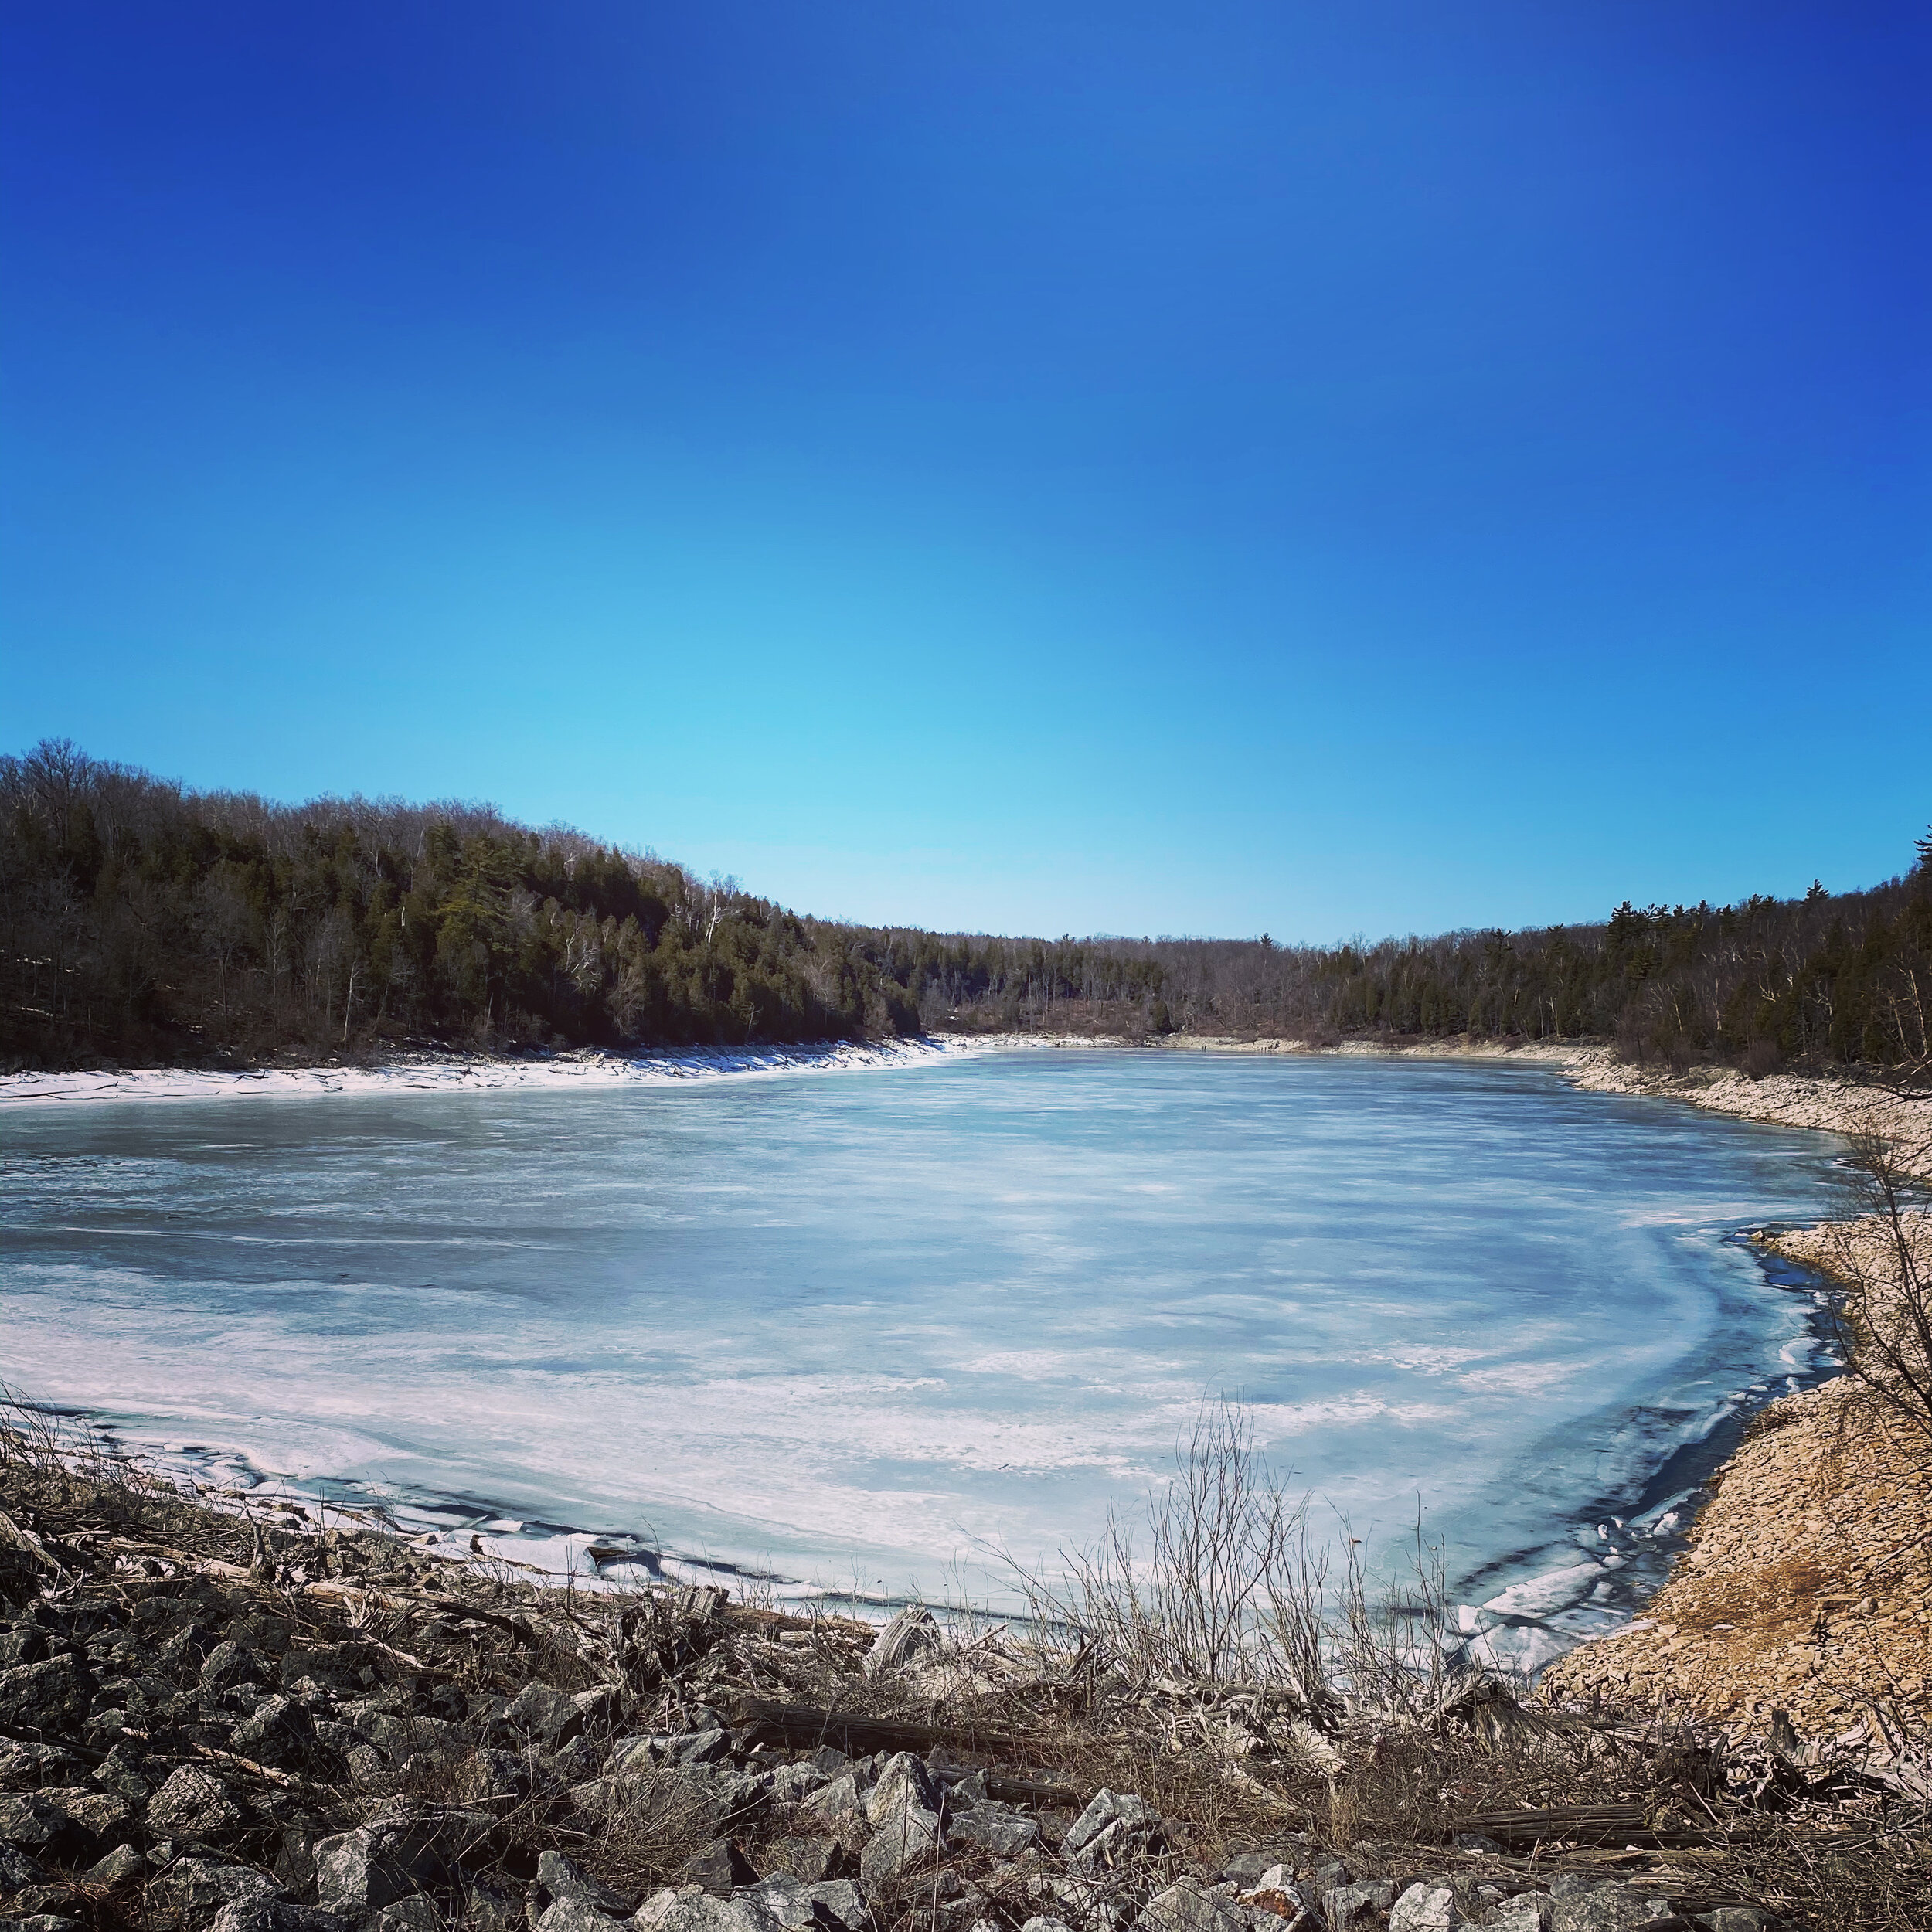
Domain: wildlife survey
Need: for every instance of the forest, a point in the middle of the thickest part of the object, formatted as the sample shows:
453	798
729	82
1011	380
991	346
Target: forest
141	923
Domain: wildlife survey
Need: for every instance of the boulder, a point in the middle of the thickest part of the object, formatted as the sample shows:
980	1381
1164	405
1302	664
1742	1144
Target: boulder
100	1813
812	1859
1425	1908
120	1771
1005	1834
191	1805
38	1824
601	1707
720	1867
650	1915
1527	1912
295	1858
359	1873
563	1878
792	1783
833	1804
904	1784
1247	1869
197	1889
276	1915
54	1694
841	1906
23	1643
1346	1906
228	1664
790	1905
911	1841
23	1765
1113	1825
119	1867
541	1711
415	1914
401	1734
1185	1906
694	1911
1610	1907
17	1870
573	1915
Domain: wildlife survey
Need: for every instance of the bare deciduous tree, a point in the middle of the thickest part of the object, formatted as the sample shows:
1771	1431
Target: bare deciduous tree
1882	1260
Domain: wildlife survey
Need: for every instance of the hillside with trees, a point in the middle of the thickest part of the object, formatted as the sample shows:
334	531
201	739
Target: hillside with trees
143	923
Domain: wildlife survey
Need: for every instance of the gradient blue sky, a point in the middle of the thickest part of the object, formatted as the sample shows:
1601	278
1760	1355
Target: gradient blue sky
1209	469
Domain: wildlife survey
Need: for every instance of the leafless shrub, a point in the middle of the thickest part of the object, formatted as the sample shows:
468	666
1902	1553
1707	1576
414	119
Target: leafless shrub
1221	1582
1184	1594
652	1826
1879	1258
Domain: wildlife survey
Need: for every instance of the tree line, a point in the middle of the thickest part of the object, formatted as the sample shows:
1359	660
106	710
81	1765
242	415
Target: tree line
143	922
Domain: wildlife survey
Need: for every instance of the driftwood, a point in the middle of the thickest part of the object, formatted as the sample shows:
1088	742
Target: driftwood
805	1724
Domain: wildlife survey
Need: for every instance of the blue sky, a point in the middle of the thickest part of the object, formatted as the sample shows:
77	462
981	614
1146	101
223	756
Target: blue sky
1220	468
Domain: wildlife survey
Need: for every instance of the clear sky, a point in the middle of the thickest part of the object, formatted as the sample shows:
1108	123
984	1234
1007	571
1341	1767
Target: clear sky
1036	467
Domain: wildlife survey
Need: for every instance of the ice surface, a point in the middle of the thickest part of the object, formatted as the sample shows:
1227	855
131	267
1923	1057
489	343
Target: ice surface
865	1333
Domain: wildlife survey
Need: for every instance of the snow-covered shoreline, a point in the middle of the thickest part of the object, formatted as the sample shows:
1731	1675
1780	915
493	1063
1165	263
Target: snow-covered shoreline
474	1072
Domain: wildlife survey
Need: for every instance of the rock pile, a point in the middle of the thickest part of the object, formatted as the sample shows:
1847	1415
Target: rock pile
201	1747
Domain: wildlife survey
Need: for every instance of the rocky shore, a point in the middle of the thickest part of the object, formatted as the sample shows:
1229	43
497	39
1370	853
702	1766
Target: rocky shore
208	1719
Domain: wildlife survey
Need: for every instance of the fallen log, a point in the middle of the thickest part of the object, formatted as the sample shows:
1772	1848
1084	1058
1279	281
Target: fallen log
810	1724
807	1724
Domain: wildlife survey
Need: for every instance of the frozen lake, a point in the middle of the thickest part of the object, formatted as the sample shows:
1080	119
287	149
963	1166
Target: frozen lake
851	1329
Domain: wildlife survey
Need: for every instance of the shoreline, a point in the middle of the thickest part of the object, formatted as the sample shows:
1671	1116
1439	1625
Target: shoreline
1716	1502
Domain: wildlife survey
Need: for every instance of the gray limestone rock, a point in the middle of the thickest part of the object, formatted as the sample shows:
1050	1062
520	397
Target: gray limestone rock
541	1711
40	1825
911	1841
793	1783
359	1873
563	1878
699	1912
1425	1908
120	1865
721	1867
415	1914
904	1785
17	1870
1604	1908
54	1694
197	1889
24	1766
1113	1825
1005	1834
575	1915
193	1805
1527	1912
1186	1906
1347	1907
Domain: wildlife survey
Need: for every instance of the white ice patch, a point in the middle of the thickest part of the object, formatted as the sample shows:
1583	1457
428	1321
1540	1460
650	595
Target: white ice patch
1540	1596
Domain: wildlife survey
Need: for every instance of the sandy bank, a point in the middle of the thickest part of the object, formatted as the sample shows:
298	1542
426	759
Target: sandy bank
1807	1588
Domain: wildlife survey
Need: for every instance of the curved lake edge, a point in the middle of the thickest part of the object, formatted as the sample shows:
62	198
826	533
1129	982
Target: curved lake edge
1648	1531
